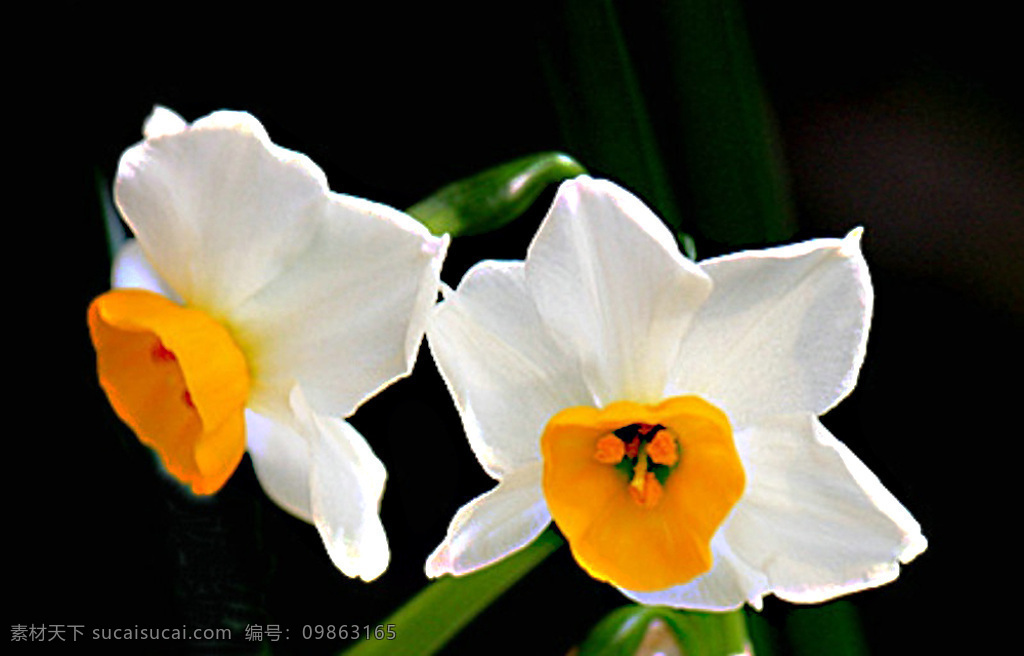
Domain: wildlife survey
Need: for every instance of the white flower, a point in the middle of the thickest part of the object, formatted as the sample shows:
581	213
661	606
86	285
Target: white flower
665	413
279	307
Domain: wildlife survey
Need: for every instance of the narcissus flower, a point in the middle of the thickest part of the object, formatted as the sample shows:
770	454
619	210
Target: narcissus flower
253	310
665	414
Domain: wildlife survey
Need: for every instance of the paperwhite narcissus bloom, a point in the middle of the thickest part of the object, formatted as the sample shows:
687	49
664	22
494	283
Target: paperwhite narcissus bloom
253	309
664	413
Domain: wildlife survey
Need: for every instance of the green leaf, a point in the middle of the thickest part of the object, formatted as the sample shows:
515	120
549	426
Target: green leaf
832	628
622	632
726	148
491	199
429	620
669	102
602	111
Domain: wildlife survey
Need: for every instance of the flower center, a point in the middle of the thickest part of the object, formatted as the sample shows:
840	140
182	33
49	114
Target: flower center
177	378
639	490
647	453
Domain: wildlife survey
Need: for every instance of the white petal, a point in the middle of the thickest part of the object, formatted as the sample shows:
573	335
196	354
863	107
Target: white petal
609	280
217	208
507	376
281	459
494	525
132	269
318	288
348	316
784	330
346	484
813	518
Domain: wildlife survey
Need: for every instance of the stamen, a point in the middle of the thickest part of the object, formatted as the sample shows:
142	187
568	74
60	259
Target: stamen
646	446
610	450
663	449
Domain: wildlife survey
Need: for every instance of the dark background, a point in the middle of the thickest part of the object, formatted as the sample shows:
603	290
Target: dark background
899	117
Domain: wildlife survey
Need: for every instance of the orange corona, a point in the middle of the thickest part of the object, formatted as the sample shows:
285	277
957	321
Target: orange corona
639	490
177	378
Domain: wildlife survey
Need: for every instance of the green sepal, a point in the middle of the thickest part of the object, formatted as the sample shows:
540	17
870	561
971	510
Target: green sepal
490	199
623	630
686	243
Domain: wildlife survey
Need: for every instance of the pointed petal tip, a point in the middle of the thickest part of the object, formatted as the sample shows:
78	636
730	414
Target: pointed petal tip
162	122
438	563
913	546
850	244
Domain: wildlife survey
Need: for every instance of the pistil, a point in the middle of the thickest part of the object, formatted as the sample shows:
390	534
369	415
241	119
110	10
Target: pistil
644	488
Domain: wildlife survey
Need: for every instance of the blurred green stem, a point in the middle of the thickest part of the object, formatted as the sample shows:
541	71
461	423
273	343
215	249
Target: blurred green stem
679	115
728	144
833	628
601	107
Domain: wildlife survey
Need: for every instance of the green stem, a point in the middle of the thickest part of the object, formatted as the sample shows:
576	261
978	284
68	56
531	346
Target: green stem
430	619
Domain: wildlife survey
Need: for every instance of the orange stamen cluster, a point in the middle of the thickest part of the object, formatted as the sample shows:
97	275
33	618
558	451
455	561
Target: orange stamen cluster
610	450
663	449
649	445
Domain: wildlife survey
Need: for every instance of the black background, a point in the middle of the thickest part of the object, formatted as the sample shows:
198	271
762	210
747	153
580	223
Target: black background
899	117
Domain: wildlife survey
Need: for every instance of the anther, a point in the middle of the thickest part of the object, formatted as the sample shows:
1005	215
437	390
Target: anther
610	450
663	449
